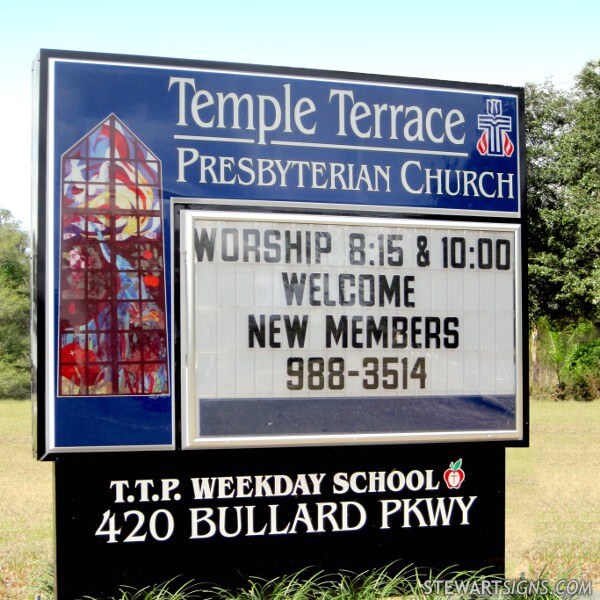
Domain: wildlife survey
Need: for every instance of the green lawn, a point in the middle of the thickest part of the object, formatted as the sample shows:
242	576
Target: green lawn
25	506
552	499
553	493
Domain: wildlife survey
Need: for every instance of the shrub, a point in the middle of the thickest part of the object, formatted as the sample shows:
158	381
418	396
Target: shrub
15	382
583	371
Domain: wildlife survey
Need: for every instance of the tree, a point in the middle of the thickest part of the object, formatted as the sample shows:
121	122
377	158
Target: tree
564	199
14	308
580	161
547	116
580	170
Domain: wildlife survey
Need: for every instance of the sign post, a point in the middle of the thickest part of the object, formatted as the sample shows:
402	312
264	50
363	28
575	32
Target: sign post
279	313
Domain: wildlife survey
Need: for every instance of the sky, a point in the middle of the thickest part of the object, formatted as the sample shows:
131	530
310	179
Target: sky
510	42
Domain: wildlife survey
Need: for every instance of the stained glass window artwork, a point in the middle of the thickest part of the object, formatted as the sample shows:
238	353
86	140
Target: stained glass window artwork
112	323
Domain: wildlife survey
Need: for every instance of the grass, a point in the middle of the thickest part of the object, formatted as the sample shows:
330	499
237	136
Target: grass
25	506
552	512
379	584
553	496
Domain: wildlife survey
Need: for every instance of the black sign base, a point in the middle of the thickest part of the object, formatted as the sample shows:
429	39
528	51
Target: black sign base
220	517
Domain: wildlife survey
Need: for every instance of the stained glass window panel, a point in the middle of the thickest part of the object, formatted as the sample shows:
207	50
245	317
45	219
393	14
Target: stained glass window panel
112	323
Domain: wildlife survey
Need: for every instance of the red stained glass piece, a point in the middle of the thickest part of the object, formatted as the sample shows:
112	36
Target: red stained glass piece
151	280
74	359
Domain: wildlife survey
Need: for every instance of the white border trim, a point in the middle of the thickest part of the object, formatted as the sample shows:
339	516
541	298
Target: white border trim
357	82
50	216
188	402
51	382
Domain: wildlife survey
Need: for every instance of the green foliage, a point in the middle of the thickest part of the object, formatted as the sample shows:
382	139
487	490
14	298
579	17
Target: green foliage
169	590
295	587
369	585
563	172
558	348
15	381
42	581
580	160
14	309
580	169
547	115
14	260
583	371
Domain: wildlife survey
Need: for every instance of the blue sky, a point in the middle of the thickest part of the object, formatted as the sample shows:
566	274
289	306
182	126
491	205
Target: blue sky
509	42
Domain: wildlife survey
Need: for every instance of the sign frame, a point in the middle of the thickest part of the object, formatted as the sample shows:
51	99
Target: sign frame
203	211
111	478
46	445
85	498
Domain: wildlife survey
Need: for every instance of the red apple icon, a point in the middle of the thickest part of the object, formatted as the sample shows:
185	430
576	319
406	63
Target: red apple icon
454	476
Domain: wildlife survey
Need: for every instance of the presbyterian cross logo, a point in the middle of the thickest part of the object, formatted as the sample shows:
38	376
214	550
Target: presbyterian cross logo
494	140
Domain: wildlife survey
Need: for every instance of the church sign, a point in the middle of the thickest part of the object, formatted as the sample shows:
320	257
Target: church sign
273	260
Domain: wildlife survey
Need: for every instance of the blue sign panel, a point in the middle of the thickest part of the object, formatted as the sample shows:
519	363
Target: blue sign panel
123	141
230	134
